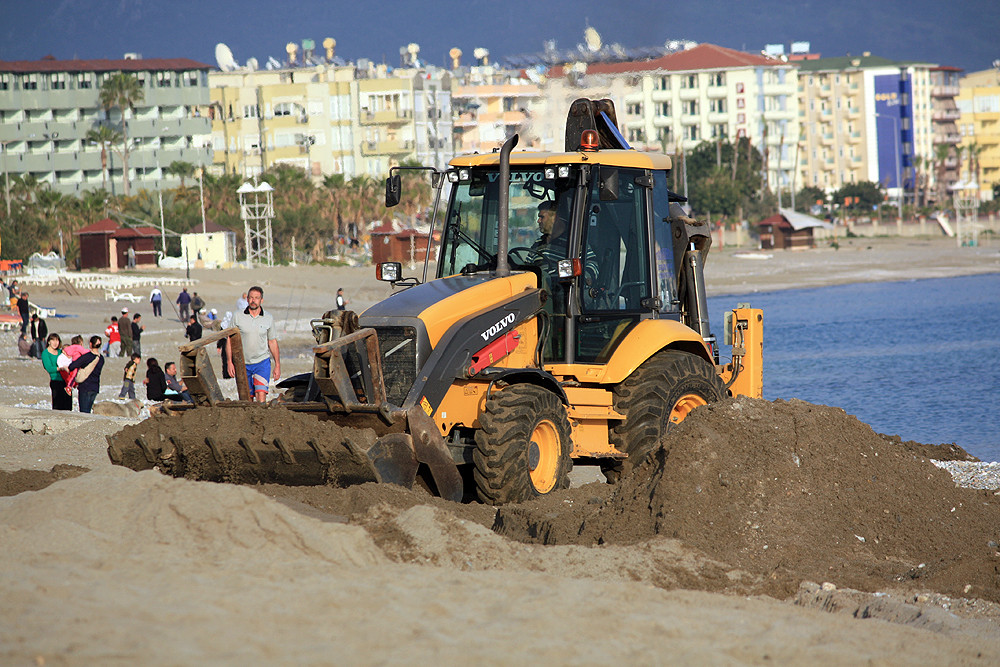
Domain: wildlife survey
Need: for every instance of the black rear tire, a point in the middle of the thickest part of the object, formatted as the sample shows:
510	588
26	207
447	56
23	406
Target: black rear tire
523	445
655	397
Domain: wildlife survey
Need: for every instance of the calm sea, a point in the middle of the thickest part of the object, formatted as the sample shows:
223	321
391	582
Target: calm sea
920	359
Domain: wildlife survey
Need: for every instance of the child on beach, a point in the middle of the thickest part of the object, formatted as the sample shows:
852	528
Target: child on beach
128	379
69	354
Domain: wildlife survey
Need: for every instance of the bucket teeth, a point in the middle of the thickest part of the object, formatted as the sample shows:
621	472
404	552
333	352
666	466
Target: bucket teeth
251	454
216	452
286	453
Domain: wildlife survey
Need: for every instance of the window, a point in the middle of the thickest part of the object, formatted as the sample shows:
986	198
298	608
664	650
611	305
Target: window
691	107
739	87
164	79
635	134
662	83
250	111
633	109
689	81
720	131
717	80
663	109
84	80
691	133
717	106
29	82
616	265
58	81
740	103
4	81
191	78
741	118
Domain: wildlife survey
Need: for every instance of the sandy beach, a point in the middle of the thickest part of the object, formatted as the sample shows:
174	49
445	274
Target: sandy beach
780	533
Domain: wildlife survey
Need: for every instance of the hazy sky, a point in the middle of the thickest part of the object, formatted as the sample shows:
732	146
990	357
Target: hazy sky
962	33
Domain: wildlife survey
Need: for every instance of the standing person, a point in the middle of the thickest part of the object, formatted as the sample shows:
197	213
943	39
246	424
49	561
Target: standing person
114	340
197	303
260	344
184	304
175	385
128	378
22	308
224	356
156	383
137	329
156	300
57	385
125	333
131	257
13	292
89	376
242	303
341	301
39	332
194	329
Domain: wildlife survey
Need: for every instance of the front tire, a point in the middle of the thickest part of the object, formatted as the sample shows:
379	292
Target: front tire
523	445
658	395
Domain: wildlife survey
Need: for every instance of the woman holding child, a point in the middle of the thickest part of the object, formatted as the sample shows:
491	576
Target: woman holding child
60	399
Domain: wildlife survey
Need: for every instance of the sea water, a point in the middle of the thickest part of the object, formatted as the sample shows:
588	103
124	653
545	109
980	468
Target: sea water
920	359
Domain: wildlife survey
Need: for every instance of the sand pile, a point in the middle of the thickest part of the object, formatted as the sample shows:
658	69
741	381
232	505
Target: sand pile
792	492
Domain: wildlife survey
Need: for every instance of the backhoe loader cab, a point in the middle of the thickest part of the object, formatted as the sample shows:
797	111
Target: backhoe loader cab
566	321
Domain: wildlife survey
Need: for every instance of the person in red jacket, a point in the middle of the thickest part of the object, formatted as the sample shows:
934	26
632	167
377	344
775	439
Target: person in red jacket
110	347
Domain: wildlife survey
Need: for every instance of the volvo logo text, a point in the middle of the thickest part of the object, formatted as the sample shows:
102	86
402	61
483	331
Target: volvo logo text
498	327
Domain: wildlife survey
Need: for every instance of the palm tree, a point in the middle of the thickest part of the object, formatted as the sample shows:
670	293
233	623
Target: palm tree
181	169
942	152
103	136
123	91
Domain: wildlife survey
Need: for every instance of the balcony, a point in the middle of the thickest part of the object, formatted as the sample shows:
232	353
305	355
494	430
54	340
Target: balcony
718	117
946	114
779	114
387	147
824	91
854	137
944	91
656	96
827	138
950	138
853	112
390	117
689	93
690	119
774	89
659	121
718	92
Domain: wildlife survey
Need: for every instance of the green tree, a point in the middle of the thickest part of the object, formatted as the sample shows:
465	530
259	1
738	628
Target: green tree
942	153
864	196
807	197
181	169
724	177
104	136
122	91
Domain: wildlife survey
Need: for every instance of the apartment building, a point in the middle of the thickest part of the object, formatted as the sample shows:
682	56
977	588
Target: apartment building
48	106
329	119
978	104
704	93
489	108
867	118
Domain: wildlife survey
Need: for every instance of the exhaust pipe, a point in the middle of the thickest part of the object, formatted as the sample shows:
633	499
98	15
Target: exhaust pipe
503	206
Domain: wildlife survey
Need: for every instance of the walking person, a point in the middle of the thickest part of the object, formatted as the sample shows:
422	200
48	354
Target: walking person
137	329
114	340
184	304
197	303
57	385
125	333
242	303
156	301
341	301
88	378
23	307
260	345
128	377
39	333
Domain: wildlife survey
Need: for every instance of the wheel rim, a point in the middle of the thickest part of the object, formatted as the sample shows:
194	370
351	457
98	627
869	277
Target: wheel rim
684	405
543	456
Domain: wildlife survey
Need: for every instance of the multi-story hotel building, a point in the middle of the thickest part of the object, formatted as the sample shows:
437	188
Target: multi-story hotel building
708	92
979	125
48	106
866	118
330	119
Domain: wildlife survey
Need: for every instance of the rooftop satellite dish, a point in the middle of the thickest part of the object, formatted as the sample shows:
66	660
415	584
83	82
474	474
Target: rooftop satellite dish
592	39
456	57
329	44
290	49
224	58
482	55
413	48
253	65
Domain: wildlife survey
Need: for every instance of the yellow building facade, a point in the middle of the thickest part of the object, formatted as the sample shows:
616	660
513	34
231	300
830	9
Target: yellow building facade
979	127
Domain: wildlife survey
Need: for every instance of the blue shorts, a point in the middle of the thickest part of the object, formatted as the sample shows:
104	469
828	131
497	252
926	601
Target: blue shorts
258	376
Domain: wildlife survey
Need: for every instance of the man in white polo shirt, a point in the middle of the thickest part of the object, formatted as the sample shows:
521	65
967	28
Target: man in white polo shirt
260	344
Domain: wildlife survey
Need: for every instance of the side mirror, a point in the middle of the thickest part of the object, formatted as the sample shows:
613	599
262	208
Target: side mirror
608	185
388	271
393	188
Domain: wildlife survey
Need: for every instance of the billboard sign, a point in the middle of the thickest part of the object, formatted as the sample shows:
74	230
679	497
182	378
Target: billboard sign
892	122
